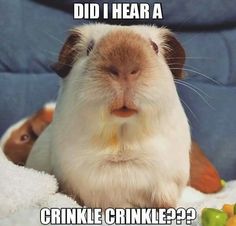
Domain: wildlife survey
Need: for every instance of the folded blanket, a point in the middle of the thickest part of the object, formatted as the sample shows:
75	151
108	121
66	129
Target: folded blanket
25	191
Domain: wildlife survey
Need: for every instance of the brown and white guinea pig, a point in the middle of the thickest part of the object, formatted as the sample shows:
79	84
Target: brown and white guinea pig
119	136
18	139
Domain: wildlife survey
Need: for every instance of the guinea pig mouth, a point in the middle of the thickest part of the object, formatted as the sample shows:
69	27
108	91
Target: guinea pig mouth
124	112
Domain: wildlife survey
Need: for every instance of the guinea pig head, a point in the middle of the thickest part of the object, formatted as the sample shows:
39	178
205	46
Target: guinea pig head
122	75
19	138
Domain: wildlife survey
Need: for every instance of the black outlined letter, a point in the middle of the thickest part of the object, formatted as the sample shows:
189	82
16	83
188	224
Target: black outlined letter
157	11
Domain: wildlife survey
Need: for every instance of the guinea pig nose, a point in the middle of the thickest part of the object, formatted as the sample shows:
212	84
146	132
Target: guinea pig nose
114	73
133	74
123	73
134	71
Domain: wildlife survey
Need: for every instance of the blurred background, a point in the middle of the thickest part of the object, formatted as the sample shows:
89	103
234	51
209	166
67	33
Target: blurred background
33	31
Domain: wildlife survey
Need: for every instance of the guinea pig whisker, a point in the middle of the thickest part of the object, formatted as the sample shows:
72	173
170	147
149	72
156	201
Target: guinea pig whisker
189	66
190	87
54	37
69	65
195	87
178	64
55	61
203	75
145	97
194	58
50	52
195	91
189	109
199	73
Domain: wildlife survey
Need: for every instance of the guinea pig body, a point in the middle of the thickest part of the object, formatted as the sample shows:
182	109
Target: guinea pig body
119	137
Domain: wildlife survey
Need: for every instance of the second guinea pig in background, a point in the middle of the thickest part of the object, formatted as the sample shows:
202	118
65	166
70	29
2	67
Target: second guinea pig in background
119	137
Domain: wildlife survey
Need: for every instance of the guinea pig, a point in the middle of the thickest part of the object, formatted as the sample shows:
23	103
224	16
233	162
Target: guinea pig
18	139
119	136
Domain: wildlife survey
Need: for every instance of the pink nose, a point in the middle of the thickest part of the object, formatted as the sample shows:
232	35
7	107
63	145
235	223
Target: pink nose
124	74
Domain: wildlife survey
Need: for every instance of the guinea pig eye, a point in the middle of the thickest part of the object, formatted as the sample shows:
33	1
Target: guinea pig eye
154	46
24	138
90	47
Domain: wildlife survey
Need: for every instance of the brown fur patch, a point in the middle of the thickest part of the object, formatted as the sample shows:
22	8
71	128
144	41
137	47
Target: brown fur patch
67	54
175	55
122	50
110	139
203	175
16	148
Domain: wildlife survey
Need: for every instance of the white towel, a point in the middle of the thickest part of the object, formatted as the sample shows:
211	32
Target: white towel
23	192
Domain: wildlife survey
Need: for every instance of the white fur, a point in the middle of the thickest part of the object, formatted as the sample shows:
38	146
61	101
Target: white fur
151	161
50	105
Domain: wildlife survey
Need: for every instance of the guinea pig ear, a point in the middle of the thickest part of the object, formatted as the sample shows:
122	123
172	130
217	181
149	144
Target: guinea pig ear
68	54
175	55
41	120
